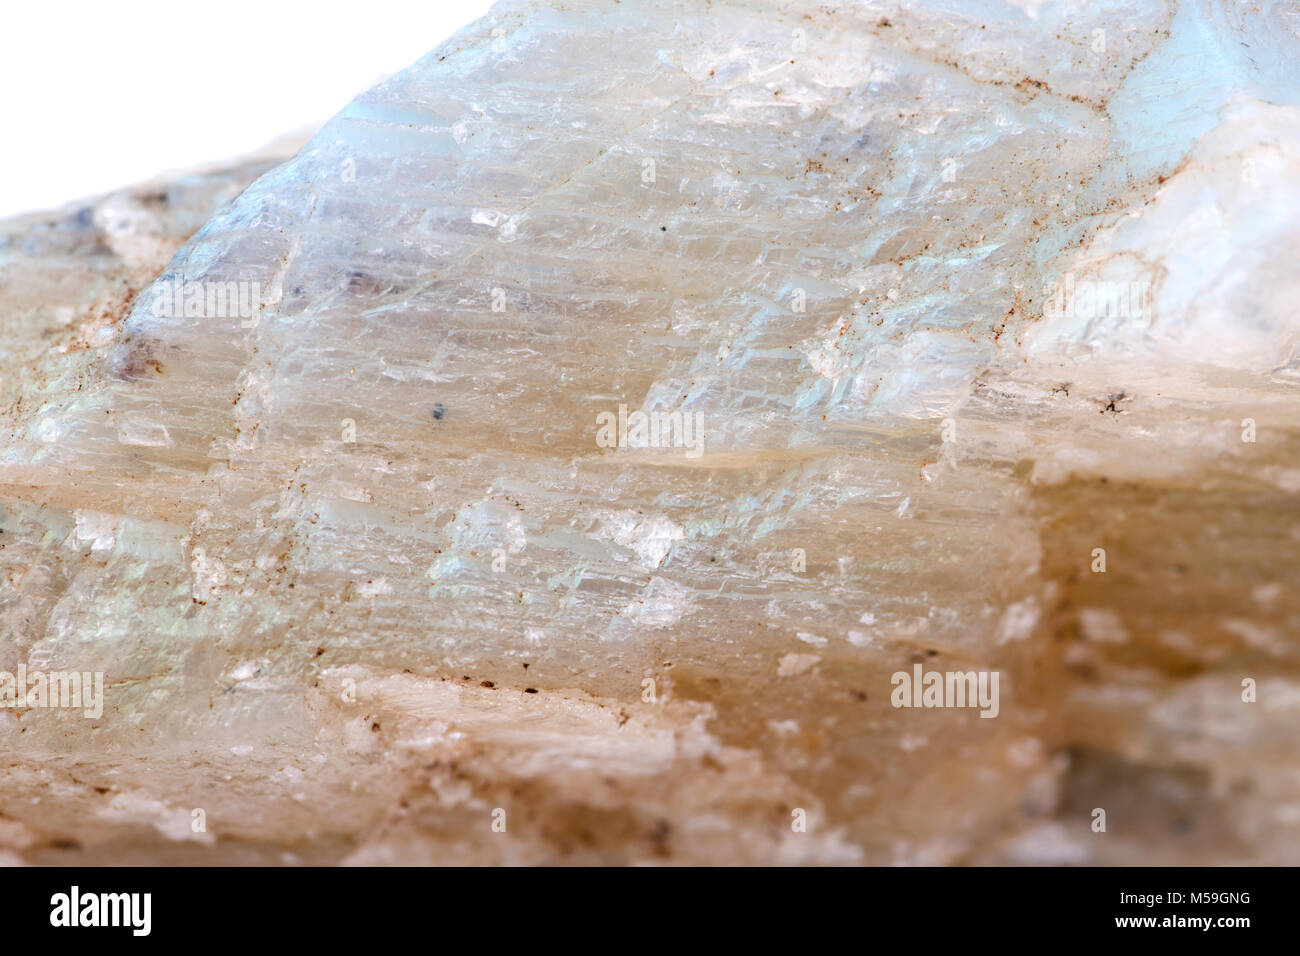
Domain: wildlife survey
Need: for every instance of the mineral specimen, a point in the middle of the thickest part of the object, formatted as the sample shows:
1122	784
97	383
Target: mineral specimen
664	432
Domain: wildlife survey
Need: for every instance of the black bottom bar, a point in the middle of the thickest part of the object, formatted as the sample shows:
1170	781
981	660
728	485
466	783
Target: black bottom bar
340	907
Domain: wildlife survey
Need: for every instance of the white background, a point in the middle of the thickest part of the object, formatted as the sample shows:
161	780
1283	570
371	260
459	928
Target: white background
105	93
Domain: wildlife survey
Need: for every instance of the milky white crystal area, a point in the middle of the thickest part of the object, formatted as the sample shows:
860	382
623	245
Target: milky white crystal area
379	514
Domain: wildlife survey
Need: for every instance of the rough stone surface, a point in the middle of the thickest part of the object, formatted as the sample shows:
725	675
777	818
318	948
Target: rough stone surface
960	292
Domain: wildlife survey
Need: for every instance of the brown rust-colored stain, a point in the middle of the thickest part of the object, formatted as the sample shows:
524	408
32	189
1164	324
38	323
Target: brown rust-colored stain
136	358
